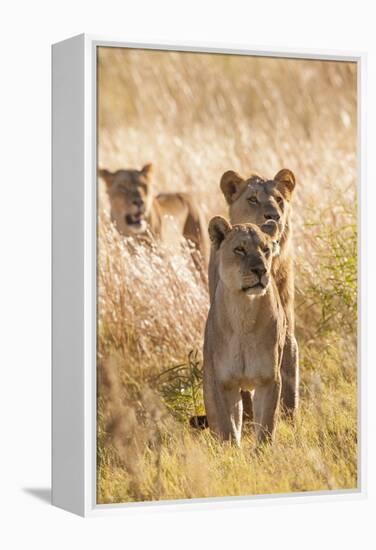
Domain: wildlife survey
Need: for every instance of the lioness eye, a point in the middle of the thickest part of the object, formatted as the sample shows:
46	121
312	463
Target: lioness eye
266	251
240	251
253	200
279	200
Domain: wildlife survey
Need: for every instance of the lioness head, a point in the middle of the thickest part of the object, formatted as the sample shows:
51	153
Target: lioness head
245	254
256	200
130	197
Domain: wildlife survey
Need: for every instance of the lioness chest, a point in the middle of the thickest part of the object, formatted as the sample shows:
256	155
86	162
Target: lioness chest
245	364
246	351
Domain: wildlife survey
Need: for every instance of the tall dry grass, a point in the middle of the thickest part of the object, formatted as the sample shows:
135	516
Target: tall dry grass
195	116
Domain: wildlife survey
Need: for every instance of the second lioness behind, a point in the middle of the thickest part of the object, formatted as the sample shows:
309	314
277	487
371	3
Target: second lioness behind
256	200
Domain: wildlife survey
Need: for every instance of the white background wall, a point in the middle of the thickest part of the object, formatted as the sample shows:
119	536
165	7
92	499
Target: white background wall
27	30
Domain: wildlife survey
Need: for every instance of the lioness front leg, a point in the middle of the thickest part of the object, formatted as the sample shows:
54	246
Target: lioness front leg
265	409
211	400
215	405
224	408
233	413
290	376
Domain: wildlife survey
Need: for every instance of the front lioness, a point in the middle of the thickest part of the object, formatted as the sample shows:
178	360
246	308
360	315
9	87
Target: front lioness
245	331
256	200
134	208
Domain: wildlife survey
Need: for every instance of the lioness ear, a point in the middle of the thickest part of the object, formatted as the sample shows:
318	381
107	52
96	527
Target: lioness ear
218	229
147	170
231	185
286	181
270	228
107	176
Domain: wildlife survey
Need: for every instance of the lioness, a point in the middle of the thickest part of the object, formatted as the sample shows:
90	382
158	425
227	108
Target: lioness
134	208
245	331
256	200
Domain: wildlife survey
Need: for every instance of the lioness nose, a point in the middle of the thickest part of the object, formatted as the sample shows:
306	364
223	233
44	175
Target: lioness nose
259	271
138	202
274	217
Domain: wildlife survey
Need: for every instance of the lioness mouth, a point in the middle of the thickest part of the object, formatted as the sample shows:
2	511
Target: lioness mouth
257	285
133	219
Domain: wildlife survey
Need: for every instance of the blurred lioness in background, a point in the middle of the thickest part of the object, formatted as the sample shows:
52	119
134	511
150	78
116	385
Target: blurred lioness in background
135	209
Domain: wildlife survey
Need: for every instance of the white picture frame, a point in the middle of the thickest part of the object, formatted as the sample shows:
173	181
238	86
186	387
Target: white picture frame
74	181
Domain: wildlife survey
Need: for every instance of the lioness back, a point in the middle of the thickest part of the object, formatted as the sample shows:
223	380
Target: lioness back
188	218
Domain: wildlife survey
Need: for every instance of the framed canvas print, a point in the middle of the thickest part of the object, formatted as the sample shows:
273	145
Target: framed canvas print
207	281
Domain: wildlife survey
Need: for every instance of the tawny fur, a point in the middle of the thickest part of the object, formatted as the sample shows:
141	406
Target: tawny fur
245	331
